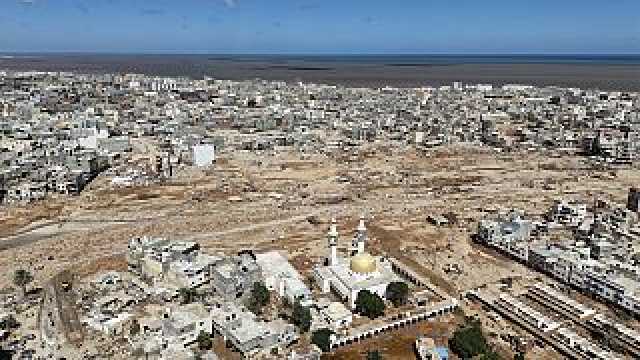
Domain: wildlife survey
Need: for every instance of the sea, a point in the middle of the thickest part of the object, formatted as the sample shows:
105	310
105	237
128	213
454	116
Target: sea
604	72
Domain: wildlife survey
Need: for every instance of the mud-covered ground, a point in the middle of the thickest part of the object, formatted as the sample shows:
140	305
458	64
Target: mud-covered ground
399	71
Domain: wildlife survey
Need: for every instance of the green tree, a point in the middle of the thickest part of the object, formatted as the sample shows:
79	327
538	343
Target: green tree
301	317
22	278
6	354
187	295
369	304
491	355
259	297
9	323
468	341
204	341
518	356
134	328
285	302
531	117
374	355
398	293
322	338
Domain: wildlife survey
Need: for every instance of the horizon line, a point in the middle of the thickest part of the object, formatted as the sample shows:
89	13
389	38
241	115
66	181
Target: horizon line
275	53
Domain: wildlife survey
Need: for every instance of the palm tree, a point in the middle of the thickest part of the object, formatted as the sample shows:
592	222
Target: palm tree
22	278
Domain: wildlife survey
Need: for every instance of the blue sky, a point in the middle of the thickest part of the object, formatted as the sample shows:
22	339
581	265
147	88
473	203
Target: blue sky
329	26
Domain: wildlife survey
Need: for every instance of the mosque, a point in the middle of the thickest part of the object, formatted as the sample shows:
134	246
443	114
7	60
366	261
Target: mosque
347	276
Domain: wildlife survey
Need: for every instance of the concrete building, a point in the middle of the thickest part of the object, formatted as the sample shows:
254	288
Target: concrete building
246	333
567	213
582	347
426	349
283	278
559	301
233	277
332	315
510	234
182	325
528	314
204	154
173	265
171	331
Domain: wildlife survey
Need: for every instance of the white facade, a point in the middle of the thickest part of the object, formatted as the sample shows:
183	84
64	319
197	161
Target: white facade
347	276
333	315
280	276
91	141
204	155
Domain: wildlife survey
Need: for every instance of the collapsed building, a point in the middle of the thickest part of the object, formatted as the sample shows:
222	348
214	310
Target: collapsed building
246	333
173	265
233	277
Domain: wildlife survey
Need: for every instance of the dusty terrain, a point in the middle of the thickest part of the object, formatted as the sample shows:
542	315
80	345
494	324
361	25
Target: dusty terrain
245	203
285	202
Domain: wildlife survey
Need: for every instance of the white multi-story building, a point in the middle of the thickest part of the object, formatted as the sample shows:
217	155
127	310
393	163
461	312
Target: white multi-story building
204	154
283	278
510	235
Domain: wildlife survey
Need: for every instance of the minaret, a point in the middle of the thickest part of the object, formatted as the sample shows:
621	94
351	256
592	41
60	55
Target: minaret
332	237
361	235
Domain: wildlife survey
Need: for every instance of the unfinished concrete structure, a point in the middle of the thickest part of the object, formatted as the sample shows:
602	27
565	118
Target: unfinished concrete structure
173	265
232	278
242	329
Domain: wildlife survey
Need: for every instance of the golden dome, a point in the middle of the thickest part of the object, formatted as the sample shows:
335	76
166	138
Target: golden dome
363	264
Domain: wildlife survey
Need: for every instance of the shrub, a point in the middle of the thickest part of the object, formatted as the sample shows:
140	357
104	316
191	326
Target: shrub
369	304
398	293
322	338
